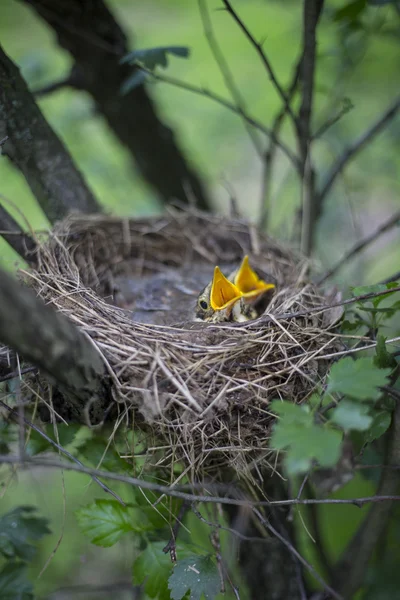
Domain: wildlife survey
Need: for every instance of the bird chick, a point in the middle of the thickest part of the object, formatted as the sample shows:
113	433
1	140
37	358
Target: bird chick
216	302
233	298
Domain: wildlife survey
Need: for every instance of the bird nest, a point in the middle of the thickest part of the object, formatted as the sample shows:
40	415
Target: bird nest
199	391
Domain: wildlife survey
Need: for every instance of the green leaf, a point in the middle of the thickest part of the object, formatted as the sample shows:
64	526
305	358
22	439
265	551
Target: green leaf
14	584
352	415
350	11
292	413
153	57
18	528
153	567
359	379
106	521
96	452
37	443
133	81
380	425
197	574
374	289
303	440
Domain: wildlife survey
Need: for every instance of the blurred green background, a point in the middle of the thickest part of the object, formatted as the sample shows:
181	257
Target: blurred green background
359	64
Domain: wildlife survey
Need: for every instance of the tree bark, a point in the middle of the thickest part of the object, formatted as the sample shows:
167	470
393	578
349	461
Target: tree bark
35	149
51	342
89	32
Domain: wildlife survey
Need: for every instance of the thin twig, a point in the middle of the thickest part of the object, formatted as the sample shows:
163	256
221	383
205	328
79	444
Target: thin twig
298	556
3	141
226	73
16	416
18	373
356	147
171	546
264	59
347	106
174	491
271	150
201	91
361	245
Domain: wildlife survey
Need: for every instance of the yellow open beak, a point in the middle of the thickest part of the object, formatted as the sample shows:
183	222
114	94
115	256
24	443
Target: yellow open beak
248	282
223	292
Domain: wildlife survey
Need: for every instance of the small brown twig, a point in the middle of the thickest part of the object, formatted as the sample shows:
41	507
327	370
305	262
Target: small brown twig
18	373
361	245
171	546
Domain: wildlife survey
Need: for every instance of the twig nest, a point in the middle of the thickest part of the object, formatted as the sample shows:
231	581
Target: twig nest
202	389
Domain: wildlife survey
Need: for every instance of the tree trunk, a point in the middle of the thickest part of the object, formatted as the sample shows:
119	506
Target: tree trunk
37	151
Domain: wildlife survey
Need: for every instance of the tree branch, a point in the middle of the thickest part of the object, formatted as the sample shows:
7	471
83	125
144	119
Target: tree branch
264	59
355	148
230	106
51	342
20	241
311	13
91	34
361	245
36	150
271	150
226	73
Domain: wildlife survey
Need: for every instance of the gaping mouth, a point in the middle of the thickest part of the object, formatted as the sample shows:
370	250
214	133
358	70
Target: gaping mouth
224	293
248	282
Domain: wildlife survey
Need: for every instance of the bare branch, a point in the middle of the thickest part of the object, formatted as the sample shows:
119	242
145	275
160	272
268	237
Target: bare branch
347	106
356	147
264	59
20	241
50	341
36	150
175	491
361	245
271	150
230	106
226	73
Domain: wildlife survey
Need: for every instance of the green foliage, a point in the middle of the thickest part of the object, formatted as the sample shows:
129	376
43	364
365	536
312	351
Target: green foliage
19	528
152	568
380	424
37	443
352	415
304	440
359	379
14	584
106	521
149	58
197	574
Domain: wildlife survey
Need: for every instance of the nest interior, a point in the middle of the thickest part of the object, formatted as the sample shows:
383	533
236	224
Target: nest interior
202	390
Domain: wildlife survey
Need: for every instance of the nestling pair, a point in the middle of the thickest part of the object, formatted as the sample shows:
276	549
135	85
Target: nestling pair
232	298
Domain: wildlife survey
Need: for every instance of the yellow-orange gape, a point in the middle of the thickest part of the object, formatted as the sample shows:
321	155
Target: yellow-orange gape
232	298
